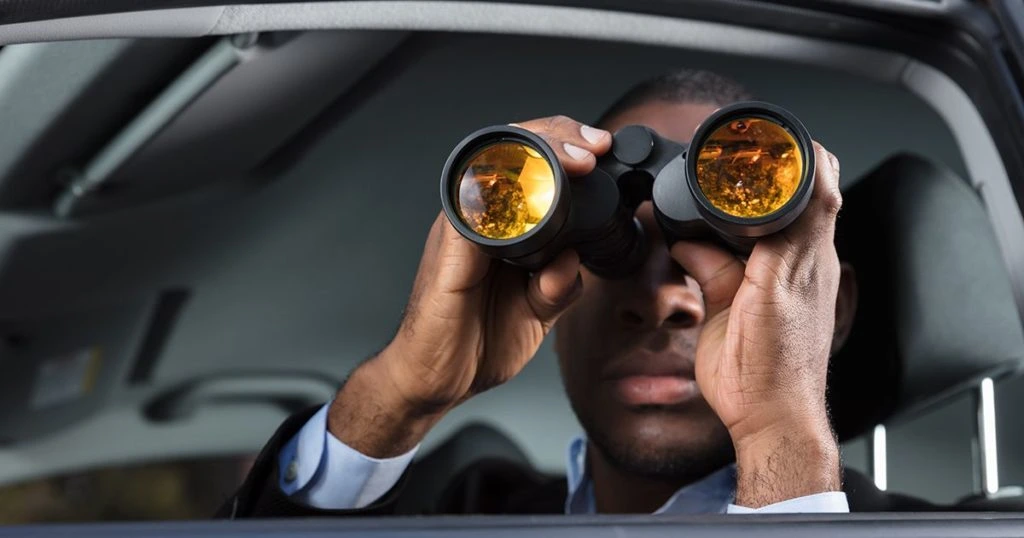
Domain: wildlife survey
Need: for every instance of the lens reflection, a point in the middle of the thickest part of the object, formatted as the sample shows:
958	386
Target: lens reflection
749	167
504	190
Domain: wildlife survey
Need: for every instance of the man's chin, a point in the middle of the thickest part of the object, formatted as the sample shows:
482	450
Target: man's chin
678	442
654	458
667	426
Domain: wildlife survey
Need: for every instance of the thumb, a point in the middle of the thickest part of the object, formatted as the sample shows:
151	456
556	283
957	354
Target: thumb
552	289
718	272
458	264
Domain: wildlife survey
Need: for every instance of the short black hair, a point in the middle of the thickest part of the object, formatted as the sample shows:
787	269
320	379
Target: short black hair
680	86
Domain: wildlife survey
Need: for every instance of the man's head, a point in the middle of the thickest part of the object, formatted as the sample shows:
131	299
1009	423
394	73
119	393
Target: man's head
626	347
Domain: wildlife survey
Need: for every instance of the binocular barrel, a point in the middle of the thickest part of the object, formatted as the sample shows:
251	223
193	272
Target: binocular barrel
748	172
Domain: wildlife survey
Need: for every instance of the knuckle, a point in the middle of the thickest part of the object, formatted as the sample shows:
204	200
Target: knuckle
817	275
552	123
562	120
801	281
794	266
554	130
541	126
566	125
832	201
834	161
773	274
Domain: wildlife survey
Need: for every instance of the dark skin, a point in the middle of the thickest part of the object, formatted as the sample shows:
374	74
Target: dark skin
699	359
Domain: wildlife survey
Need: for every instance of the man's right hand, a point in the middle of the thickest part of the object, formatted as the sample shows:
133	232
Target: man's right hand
472	323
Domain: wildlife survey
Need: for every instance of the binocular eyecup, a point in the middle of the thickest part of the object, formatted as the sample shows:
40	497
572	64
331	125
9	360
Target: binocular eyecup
747	173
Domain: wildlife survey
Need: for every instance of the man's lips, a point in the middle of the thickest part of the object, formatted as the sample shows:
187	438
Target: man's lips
640	390
662	379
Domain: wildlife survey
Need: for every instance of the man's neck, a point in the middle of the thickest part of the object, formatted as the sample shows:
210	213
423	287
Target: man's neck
619	492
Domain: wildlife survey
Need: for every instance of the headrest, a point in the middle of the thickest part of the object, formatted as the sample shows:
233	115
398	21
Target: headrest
936	310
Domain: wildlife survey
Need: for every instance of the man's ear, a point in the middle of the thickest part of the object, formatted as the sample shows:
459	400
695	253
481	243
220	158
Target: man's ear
846	306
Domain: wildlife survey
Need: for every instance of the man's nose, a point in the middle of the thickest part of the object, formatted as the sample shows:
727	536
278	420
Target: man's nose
661	296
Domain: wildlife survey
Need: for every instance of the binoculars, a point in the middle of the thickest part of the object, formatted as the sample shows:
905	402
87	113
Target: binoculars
748	172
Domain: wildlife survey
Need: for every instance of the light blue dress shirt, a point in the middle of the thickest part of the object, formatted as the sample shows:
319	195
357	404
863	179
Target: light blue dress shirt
321	471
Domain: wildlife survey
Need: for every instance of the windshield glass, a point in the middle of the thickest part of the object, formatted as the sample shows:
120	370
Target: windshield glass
208	237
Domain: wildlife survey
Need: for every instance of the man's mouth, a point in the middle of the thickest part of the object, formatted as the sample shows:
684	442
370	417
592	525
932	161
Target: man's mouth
662	380
643	390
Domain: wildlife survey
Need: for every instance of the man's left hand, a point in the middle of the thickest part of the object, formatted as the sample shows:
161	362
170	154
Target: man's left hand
762	356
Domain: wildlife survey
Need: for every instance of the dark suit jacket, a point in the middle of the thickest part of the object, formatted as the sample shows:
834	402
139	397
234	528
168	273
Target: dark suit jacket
485	486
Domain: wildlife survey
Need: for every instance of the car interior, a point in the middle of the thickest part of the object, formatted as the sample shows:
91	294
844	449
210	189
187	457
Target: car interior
205	226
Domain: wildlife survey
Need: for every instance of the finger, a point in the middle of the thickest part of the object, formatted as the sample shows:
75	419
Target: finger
803	256
451	261
577	145
718	272
552	289
816	226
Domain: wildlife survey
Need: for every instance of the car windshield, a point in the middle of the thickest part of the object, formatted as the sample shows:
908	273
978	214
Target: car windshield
205	238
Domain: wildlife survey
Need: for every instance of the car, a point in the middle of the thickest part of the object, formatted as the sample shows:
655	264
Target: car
211	211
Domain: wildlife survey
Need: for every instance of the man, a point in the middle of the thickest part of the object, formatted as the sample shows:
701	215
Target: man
699	381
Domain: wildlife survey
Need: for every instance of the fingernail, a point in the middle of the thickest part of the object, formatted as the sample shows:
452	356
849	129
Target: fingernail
591	134
576	152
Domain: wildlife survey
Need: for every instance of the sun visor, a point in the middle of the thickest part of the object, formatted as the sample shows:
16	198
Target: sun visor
59	369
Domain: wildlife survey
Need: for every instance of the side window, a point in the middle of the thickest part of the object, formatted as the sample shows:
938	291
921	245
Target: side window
166	490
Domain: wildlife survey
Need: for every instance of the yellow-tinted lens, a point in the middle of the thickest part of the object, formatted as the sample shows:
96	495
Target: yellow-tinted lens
749	167
504	190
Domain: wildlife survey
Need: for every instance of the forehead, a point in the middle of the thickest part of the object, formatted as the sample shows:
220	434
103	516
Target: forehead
675	121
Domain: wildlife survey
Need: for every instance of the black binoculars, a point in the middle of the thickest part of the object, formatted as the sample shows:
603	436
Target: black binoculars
751	175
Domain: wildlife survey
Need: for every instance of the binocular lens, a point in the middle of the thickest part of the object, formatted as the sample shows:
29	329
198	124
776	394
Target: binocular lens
749	167
504	190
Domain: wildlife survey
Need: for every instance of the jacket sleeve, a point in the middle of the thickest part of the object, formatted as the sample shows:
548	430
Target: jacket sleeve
260	495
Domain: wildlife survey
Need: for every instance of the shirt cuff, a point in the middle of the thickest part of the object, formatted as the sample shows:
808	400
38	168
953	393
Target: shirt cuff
319	470
830	502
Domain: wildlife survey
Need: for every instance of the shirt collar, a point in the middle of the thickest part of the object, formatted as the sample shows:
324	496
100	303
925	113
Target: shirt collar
711	494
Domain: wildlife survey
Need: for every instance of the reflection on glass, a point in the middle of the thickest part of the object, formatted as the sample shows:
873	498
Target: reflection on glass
749	167
191	488
504	190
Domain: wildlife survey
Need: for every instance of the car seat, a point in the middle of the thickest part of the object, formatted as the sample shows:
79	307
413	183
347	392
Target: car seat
936	311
